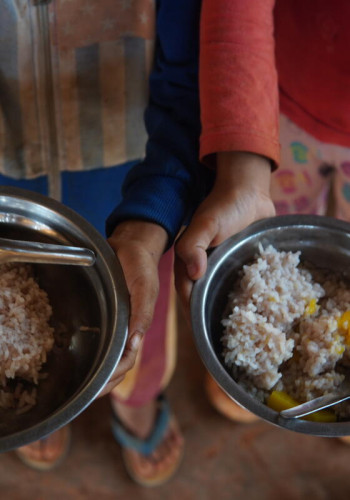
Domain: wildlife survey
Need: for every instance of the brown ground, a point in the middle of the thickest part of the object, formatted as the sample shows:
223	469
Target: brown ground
223	460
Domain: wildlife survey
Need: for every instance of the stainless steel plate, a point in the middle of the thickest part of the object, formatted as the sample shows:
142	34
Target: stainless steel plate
323	241
90	314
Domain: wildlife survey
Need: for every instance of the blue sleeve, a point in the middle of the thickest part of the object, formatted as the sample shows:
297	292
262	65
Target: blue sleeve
170	182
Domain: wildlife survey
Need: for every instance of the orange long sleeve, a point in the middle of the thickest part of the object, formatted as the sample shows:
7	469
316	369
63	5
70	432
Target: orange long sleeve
238	78
239	66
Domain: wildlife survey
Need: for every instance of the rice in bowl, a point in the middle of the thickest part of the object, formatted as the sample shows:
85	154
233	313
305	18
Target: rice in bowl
287	329
26	336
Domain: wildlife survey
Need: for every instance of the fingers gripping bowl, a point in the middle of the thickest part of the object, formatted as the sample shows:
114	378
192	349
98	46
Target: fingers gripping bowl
89	315
323	242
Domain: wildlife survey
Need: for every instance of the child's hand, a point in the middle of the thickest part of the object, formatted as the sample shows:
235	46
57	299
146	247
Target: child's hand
139	246
240	196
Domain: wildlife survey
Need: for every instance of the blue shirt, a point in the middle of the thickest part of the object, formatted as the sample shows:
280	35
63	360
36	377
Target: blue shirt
170	182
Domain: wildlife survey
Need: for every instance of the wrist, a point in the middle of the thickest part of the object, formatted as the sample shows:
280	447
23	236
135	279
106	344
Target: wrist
148	234
238	168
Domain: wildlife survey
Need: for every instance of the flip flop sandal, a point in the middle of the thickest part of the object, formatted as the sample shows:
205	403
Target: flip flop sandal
24	454
164	420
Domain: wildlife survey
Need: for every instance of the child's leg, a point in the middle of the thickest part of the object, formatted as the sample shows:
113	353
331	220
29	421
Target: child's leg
140	414
156	360
301	183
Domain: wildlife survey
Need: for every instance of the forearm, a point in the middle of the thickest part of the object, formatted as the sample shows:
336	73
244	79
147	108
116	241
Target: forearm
151	237
237	66
236	170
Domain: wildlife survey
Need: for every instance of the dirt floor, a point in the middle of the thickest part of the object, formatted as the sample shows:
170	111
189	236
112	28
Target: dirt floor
222	461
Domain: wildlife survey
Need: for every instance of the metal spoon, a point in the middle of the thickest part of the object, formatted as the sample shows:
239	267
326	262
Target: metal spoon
338	396
44	253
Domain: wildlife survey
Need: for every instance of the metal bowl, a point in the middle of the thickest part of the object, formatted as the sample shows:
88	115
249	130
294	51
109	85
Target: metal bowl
90	315
323	241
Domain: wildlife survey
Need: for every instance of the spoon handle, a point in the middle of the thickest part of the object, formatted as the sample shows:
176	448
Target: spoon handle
316	404
44	253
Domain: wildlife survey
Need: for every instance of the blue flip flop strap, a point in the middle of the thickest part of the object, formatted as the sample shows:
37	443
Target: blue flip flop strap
144	446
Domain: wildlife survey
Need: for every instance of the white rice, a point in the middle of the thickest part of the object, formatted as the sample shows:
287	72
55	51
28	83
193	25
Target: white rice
25	335
282	329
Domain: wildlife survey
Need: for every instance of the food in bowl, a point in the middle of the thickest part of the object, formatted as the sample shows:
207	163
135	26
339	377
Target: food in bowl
287	330
26	336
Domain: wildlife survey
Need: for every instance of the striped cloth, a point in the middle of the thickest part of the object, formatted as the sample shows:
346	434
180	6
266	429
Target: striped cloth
73	83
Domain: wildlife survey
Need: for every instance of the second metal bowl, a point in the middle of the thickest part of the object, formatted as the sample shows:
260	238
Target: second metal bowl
323	241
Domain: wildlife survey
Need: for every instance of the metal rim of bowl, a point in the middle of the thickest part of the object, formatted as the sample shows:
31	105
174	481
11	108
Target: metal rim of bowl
202	337
79	402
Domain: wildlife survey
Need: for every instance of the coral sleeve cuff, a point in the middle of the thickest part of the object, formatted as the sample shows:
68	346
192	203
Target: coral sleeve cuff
226	140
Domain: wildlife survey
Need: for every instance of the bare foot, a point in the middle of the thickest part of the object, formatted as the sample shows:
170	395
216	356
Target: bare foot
345	439
225	405
48	452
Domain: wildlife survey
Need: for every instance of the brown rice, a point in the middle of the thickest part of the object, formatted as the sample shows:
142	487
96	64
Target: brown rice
287	327
25	335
